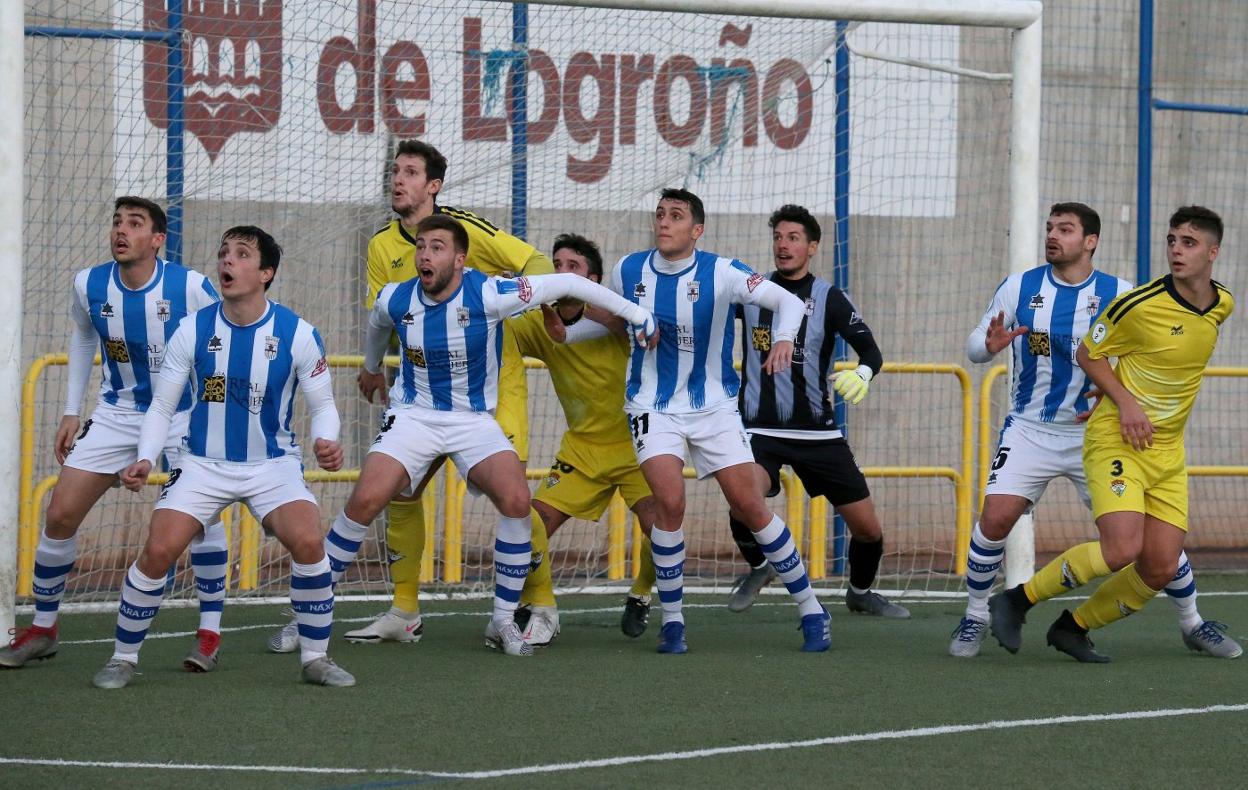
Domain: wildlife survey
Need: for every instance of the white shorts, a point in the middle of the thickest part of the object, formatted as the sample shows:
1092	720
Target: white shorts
203	487
715	437
416	437
108	441
1028	458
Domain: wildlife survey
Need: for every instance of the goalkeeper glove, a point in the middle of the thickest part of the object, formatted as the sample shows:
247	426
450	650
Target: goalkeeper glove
852	385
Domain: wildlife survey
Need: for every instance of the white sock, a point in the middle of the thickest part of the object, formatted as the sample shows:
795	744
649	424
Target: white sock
312	598
54	559
982	563
512	553
668	551
209	556
1182	590
777	543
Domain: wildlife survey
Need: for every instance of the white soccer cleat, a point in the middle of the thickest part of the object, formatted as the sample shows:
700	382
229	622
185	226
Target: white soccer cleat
116	674
394	625
1210	637
324	672
507	638
286	640
543	625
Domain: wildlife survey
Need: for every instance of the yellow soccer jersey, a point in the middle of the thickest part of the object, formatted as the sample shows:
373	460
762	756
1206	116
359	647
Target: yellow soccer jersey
1163	344
392	252
589	381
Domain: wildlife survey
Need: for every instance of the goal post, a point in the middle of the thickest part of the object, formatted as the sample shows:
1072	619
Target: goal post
910	129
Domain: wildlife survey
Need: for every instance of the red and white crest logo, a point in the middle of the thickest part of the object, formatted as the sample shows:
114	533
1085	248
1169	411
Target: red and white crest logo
232	61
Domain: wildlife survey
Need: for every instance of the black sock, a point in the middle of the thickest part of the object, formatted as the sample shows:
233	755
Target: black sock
1019	597
749	548
864	562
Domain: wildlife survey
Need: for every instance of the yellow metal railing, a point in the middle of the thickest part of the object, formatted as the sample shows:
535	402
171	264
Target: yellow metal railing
454	488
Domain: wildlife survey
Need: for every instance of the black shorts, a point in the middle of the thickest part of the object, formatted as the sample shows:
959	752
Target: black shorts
826	467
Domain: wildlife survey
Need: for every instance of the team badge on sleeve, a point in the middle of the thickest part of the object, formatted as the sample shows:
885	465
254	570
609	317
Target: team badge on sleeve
519	286
753	281
1098	333
321	366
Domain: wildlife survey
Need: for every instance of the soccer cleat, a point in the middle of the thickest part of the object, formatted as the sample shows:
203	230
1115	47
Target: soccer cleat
746	588
1210	638
543	625
394	625
203	655
874	604
35	643
285	640
324	672
816	632
1008	612
636	612
966	638
672	638
1066	635
116	674
508	639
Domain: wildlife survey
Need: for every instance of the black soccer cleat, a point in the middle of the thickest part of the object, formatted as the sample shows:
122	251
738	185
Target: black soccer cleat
633	621
1008	612
1066	635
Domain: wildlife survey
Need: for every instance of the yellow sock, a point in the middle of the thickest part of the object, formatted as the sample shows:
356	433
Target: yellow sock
643	582
538	588
1122	594
1072	568
405	540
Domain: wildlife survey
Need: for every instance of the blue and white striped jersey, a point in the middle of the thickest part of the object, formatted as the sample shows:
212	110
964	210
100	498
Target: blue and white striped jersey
691	369
451	350
1049	387
244	380
134	326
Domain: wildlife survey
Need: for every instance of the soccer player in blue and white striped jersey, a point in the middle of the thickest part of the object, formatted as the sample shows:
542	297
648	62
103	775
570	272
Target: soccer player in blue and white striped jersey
126	309
1041	315
684	392
245	358
448	320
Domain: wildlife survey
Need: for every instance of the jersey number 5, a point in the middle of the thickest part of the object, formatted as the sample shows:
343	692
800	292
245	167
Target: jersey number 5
999	461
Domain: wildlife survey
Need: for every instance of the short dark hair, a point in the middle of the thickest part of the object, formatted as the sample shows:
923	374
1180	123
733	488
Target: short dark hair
154	212
685	196
435	162
270	250
1199	218
581	246
443	222
1088	218
791	212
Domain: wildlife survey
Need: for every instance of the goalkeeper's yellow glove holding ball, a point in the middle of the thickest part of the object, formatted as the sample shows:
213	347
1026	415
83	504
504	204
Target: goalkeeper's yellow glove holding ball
852	385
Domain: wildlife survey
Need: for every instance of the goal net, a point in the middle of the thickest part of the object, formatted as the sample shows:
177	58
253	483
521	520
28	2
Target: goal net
896	134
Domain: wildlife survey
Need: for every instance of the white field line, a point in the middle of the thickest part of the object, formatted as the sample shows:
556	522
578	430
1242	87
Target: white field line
659	757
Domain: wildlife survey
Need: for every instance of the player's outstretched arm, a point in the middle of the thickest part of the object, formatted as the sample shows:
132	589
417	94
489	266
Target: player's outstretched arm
1137	429
547	288
82	347
996	330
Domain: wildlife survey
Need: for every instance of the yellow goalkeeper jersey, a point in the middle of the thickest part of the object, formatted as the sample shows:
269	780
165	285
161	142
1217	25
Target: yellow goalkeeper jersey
589	381
392	252
1163	344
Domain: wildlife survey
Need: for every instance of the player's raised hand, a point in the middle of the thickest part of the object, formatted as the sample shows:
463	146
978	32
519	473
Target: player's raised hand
370	383
65	433
998	336
1095	396
554	324
779	358
852	385
1137	429
134	476
328	454
645	331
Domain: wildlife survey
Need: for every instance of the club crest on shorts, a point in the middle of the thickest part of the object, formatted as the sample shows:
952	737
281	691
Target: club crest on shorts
270	346
1119	487
462	316
1094	305
164	310
693	291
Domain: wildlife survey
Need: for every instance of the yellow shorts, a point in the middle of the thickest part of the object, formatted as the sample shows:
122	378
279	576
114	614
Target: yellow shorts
587	494
513	395
1153	482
